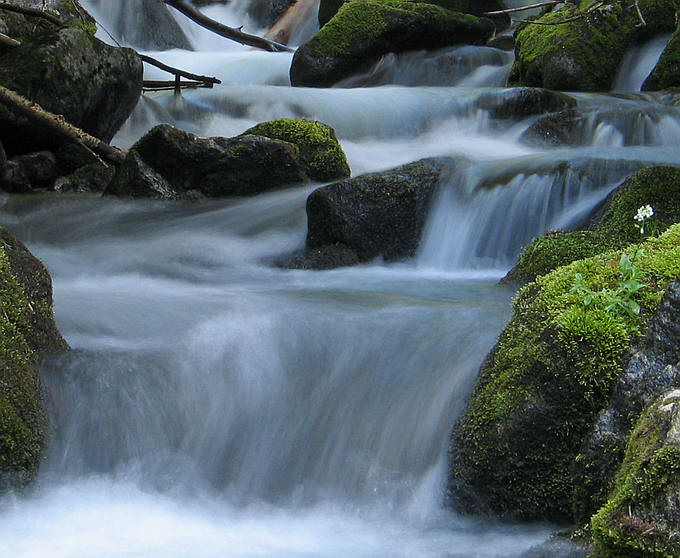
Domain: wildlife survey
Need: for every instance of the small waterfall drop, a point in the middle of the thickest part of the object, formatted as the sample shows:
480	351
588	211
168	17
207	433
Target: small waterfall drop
639	63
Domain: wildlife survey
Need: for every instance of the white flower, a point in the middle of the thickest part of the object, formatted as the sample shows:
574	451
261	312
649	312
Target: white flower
644	213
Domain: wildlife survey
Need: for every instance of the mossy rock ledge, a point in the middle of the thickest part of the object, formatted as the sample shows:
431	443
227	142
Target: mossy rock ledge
171	164
542	387
585	54
642	517
364	30
320	152
27	332
611	228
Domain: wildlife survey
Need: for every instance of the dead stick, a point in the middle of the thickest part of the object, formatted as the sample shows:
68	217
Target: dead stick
177	71
8	41
58	126
31	12
225	31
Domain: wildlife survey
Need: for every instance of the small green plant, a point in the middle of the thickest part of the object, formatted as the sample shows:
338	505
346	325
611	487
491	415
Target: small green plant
621	298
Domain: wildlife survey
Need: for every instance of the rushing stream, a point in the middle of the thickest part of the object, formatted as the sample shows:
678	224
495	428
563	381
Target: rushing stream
217	406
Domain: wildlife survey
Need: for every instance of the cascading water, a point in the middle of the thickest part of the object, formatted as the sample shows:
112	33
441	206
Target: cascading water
215	405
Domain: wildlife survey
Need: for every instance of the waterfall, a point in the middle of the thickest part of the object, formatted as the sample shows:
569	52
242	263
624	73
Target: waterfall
215	405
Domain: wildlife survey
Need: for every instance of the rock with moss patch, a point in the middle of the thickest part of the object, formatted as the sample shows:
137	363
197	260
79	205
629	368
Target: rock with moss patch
168	163
666	73
542	387
364	30
328	8
376	215
89	179
69	72
611	228
642	514
23	27
651	371
27	331
320	152
584	54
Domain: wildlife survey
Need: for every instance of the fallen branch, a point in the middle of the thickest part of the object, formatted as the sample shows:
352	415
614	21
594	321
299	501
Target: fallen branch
153	85
291	20
57	126
31	12
224	31
8	41
177	71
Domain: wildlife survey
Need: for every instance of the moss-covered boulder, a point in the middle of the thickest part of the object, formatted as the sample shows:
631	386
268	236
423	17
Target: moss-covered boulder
69	72
27	331
612	228
328	8
380	214
168	163
651	371
553	370
320	152
642	517
666	73
585	53
364	30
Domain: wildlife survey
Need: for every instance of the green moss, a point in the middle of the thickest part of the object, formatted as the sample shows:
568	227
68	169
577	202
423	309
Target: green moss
585	54
551	373
634	522
615	229
358	20
320	151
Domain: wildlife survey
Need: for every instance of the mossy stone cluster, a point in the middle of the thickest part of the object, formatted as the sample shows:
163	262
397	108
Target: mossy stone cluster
364	30
542	387
27	330
642	515
584	53
613	229
321	155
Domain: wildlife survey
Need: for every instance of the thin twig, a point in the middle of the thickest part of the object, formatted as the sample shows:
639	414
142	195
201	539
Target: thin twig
177	71
524	8
8	41
31	12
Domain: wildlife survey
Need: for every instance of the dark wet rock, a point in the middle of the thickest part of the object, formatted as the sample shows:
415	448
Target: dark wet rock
72	156
267	12
365	30
652	370
556	548
168	163
325	257
376	215
69	72
556	129
22	27
89	179
666	73
28	334
522	102
642	514
35	171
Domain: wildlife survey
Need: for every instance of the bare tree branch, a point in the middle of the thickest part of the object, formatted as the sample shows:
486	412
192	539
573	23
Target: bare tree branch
31	12
57	126
8	41
225	31
524	8
177	71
